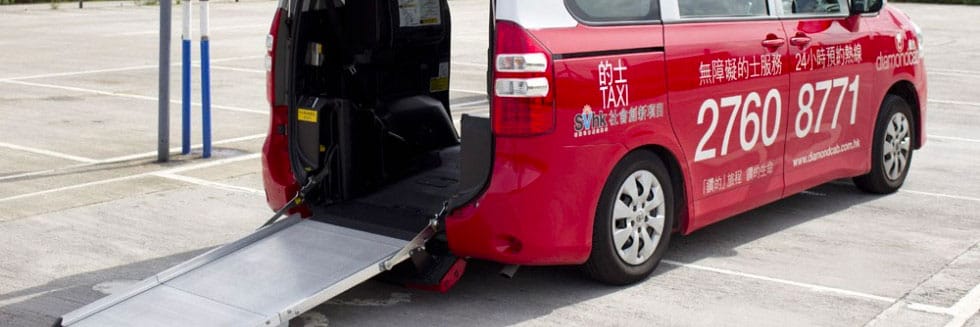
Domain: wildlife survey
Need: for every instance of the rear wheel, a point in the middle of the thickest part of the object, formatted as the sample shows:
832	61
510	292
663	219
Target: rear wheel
633	221
891	153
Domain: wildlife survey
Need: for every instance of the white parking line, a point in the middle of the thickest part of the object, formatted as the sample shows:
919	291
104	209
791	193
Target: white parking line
210	164
47	153
176	149
135	176
954	138
965	308
129	96
212	184
220	28
227	59
925	308
72	187
962	103
812	287
955	72
83	72
940	195
122	69
130	157
236	69
970	302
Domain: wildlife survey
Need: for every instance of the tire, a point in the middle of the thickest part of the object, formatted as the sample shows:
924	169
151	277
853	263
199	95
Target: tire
629	259
891	152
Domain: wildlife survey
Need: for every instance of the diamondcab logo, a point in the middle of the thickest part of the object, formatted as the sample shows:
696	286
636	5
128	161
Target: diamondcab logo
907	54
900	42
590	123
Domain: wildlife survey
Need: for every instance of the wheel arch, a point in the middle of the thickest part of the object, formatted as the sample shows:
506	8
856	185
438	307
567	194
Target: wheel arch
907	91
677	181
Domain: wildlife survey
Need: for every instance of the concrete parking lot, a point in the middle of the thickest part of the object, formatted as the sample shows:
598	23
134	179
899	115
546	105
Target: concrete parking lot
85	210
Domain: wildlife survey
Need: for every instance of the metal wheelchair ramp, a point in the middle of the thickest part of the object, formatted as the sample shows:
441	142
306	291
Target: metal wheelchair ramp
264	279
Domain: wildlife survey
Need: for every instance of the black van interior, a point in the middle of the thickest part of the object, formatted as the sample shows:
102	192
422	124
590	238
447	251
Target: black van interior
369	88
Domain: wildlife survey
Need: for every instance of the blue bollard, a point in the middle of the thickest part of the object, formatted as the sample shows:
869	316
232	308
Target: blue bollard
186	79
205	80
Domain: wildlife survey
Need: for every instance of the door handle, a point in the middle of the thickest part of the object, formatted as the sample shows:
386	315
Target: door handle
773	43
800	41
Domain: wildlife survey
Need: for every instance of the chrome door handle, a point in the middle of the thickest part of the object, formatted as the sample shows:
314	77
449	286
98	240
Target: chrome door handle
800	41
773	43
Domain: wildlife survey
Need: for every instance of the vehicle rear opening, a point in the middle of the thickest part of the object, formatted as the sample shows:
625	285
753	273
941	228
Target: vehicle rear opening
369	101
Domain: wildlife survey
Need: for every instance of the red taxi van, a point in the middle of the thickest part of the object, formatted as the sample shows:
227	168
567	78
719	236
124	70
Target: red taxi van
612	124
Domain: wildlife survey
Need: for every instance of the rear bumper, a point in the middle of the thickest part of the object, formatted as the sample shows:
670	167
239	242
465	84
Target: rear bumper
535	211
277	175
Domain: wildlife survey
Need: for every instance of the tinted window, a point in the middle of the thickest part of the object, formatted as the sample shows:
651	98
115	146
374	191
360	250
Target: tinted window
817	7
615	10
722	8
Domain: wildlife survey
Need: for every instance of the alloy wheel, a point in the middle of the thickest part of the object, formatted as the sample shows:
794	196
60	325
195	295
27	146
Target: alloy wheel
639	216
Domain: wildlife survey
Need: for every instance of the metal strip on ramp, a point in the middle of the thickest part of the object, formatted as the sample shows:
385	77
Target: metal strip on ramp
264	279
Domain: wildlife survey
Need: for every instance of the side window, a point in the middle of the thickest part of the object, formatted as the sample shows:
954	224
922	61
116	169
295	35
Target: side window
810	7
722	8
606	11
865	5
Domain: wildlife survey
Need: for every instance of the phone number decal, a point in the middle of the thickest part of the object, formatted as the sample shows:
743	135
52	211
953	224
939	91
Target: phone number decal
748	116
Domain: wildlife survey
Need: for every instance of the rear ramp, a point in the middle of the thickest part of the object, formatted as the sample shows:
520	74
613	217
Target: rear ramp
264	279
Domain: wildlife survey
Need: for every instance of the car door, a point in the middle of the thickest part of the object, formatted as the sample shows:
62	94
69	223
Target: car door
831	112
728	70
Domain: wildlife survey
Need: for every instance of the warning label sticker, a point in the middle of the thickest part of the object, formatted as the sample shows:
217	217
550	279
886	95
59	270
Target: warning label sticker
307	115
413	13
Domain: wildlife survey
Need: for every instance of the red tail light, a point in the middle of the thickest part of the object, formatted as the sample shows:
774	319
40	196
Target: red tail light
270	59
523	85
277	176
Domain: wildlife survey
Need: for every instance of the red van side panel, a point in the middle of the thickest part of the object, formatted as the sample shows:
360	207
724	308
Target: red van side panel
541	202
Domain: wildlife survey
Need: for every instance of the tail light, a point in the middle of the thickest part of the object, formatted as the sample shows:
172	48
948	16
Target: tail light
270	59
277	175
523	92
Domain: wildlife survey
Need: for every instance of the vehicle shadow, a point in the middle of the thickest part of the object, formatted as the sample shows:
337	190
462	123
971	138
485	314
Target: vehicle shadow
482	297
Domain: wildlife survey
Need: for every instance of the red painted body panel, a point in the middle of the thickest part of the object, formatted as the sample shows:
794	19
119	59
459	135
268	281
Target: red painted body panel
584	38
841	50
896	66
277	176
532	212
706	70
544	189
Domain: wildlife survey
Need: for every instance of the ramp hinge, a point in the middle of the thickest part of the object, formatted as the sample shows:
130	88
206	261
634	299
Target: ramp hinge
418	242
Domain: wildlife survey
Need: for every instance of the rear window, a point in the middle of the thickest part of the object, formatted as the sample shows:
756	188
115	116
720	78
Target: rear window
722	8
613	11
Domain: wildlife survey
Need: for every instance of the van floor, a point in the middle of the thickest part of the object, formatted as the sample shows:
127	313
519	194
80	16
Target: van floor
401	209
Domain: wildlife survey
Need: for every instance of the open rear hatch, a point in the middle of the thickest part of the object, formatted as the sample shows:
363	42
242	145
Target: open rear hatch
370	102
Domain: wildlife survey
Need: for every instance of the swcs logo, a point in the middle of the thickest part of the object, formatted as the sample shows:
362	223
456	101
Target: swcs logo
590	123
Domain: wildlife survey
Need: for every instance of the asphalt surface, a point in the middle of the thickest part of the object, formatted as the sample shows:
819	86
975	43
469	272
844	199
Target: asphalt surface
84	210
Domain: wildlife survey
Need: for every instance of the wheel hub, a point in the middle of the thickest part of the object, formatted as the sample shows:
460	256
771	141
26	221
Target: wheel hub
897	147
638	217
